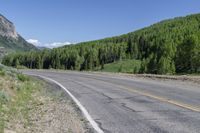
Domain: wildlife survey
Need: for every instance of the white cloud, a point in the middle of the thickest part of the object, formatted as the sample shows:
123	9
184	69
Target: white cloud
34	42
56	44
48	45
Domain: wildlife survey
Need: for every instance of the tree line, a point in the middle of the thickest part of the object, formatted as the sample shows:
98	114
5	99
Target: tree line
168	47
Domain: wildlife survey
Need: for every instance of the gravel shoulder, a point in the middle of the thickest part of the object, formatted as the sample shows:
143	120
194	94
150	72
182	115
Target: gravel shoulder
179	78
188	78
51	111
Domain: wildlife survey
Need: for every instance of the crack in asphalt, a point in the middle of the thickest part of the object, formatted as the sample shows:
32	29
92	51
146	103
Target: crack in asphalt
100	125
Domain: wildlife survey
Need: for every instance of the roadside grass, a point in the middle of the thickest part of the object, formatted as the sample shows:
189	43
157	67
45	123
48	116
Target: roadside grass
30	105
124	66
22	77
15	97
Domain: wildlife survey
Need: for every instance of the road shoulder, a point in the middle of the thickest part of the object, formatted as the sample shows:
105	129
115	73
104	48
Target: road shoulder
51	110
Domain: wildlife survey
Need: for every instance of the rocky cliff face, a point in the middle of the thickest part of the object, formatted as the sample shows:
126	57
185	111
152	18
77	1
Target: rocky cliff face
10	40
7	28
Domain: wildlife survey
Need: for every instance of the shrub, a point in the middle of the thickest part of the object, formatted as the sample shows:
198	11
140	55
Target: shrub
22	77
3	97
2	72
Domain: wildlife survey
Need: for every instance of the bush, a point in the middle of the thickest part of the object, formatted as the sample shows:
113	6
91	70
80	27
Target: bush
22	77
3	97
21	67
2	72
136	68
120	68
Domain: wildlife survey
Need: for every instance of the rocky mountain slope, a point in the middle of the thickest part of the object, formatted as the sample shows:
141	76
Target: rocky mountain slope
10	40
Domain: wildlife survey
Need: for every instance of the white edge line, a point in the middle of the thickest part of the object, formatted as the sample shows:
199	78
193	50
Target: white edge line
82	108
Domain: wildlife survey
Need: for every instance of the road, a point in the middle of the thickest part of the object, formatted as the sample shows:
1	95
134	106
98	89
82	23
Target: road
133	105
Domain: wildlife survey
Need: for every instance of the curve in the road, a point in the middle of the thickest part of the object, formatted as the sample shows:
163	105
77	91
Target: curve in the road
125	105
81	107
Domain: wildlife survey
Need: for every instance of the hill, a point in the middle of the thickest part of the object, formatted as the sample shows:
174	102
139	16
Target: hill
168	47
10	40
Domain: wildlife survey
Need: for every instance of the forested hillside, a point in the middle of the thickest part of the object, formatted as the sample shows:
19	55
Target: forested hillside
168	47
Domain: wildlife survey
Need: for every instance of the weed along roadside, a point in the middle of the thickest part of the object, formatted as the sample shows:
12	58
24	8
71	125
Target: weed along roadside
30	105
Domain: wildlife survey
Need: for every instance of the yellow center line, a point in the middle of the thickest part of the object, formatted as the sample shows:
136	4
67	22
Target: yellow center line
147	94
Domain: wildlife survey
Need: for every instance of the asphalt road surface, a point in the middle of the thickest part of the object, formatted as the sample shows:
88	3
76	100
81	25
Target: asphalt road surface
133	105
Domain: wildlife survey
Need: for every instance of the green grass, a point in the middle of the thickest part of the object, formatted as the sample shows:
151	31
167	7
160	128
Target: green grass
2	72
16	94
22	77
21	67
124	66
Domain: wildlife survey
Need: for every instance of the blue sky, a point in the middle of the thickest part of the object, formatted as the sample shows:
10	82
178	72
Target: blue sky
52	22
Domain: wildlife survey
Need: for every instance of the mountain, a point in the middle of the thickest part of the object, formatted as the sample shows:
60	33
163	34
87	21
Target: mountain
10	40
168	47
